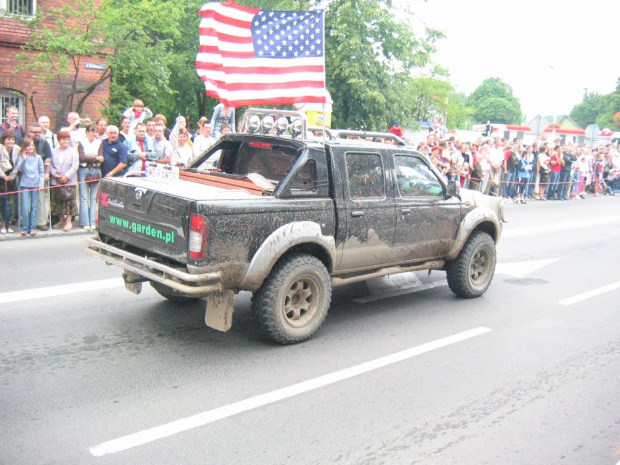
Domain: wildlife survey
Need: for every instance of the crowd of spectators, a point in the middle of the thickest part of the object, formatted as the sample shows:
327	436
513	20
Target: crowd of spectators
41	173
518	172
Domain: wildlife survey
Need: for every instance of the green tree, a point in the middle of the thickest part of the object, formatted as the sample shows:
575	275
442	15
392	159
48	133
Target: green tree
598	109
434	97
369	56
587	112
57	54
134	38
508	111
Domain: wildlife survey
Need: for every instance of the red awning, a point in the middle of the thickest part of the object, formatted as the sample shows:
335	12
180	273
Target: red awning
566	131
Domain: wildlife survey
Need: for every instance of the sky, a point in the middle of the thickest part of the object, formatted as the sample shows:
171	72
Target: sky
547	51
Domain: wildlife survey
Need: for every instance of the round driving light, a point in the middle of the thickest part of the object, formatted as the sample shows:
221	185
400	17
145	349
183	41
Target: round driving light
296	127
254	124
267	123
281	125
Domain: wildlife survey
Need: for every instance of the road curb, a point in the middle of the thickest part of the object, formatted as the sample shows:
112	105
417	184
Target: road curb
14	236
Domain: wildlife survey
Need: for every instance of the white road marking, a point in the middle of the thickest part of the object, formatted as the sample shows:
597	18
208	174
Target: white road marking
65	289
587	295
509	233
210	416
520	269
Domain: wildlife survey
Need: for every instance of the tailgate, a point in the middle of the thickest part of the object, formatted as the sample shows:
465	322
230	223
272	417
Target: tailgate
142	214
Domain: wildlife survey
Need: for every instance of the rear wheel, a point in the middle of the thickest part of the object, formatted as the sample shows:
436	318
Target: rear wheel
171	294
293	301
471	273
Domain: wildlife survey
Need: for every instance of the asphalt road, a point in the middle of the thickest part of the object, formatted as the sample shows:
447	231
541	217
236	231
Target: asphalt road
402	371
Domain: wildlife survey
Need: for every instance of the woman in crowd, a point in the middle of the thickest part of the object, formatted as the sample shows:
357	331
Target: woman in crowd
63	171
222	114
182	155
89	175
32	174
476	175
543	171
524	173
9	153
438	161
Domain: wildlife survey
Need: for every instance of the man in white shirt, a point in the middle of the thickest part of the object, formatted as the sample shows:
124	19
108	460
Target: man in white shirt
161	145
76	132
46	134
204	140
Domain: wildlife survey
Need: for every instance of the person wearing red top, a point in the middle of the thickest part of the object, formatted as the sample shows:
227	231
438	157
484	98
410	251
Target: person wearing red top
556	162
396	130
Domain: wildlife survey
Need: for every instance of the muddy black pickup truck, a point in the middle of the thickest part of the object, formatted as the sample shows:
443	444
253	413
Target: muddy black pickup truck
288	217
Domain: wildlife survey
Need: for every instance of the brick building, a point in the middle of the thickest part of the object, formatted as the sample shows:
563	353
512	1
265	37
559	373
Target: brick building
33	97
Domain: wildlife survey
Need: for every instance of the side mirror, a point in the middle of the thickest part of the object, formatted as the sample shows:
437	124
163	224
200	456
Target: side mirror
454	188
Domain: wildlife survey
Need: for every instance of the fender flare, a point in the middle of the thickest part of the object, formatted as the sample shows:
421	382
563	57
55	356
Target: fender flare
278	243
470	222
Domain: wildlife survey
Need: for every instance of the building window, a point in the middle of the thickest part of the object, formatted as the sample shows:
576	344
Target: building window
18	7
9	98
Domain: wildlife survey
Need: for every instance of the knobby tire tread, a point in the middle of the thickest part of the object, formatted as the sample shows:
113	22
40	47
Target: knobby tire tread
266	298
457	271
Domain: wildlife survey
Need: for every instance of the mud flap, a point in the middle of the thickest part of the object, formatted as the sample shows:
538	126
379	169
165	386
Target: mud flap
133	281
219	310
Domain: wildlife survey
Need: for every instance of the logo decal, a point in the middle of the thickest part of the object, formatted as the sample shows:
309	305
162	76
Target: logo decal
139	192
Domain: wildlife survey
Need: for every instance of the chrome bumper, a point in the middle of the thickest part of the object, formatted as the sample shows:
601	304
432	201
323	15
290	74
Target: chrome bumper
150	270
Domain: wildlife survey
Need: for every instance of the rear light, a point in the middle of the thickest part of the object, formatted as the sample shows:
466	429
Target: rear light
198	237
261	145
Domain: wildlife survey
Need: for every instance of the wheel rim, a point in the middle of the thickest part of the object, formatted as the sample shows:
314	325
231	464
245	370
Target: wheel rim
301	301
480	267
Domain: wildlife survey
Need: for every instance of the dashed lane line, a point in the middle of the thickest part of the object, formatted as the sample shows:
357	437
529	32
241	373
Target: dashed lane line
54	291
589	294
210	416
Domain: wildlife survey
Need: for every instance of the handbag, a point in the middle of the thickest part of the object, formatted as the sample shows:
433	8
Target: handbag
64	192
93	177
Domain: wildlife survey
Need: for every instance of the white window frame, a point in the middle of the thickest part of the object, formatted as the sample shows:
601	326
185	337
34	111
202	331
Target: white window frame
9	98
4	5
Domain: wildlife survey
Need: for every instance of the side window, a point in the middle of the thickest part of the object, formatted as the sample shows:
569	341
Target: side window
305	181
415	178
365	175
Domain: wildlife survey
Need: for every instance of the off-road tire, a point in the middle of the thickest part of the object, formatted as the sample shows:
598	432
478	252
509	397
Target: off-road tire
471	273
171	294
293	301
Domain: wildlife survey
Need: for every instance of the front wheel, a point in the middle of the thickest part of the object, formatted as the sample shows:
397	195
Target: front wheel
292	303
471	273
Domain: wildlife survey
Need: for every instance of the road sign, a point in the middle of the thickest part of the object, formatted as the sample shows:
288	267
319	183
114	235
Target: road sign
592	134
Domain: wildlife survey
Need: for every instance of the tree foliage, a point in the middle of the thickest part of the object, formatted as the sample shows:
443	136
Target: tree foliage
494	101
150	48
598	109
369	56
433	96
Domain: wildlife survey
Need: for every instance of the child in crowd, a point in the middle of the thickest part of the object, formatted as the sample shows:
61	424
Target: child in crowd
137	114
30	166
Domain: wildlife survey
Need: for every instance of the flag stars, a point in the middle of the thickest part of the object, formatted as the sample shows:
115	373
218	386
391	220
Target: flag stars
287	34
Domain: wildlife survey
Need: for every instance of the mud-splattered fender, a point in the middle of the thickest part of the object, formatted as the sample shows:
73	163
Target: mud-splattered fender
278	243
479	215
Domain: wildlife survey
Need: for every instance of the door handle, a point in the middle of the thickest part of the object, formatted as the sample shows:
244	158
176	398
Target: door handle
357	213
405	211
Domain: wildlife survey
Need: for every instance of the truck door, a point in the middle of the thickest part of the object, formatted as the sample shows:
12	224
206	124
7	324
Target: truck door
427	222
369	217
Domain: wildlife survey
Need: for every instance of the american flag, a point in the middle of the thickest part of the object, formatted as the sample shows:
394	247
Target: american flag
249	56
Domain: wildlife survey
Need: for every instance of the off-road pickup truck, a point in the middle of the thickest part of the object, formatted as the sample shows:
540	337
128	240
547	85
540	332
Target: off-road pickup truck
287	218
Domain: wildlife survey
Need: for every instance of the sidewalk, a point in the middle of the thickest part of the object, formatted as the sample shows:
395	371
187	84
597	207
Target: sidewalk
76	231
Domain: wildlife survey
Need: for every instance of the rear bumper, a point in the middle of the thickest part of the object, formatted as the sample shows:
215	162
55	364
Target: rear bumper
151	270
